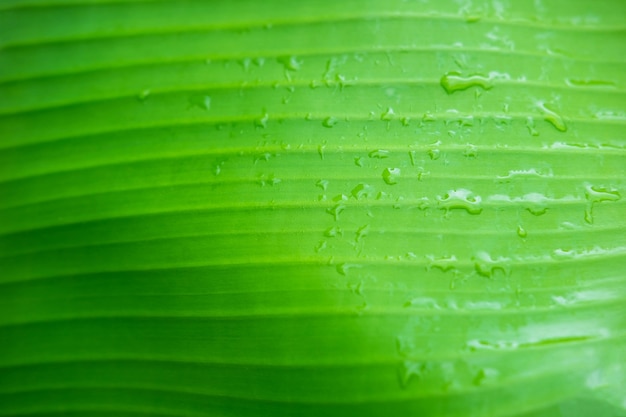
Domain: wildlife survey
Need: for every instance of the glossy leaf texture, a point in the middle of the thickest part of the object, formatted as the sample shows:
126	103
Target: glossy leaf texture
317	208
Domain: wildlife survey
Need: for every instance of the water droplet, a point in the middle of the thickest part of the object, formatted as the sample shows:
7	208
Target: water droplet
329	122
521	232
344	268
411	370
552	117
143	95
362	232
486	376
262	121
379	154
530	125
595	195
445	263
425	303
428	117
200	101
536	203
454	81
270	180
461	199
323	184
320	246
362	191
358	162
340	197
391	175
320	151
336	210
290	63
471	151
487	266
333	232
388	115
588	83
434	154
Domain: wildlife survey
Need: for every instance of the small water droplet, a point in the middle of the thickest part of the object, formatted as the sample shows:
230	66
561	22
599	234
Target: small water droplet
530	125
388	115
290	63
333	232
428	117
362	232
486	376
336	210
521	232
454	81
379	154
200	101
143	95
344	268
323	184
391	175
320	151
471	151
486	266
444	263
410	370
536	203
329	122
340	197
320	246
358	162
552	117
262	121
461	199
270	180
362	191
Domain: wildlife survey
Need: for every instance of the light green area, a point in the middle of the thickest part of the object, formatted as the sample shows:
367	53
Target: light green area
320	208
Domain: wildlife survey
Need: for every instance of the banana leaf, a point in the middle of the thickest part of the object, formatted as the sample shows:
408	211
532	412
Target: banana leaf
315	208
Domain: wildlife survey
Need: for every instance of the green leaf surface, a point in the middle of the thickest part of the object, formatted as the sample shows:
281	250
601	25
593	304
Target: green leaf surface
317	208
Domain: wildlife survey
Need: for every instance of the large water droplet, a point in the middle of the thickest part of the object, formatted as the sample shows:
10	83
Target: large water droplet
454	81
